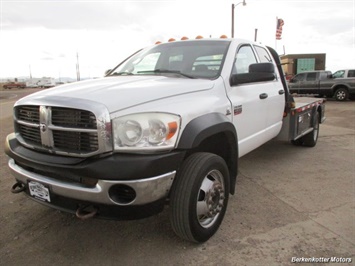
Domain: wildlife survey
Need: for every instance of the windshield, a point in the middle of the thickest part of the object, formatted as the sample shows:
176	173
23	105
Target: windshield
189	59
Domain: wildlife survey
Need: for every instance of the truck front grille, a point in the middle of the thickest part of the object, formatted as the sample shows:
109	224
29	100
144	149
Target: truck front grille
75	141
75	118
30	134
28	113
57	129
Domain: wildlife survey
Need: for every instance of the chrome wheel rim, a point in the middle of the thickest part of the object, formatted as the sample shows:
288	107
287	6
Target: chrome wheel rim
341	95
210	198
315	130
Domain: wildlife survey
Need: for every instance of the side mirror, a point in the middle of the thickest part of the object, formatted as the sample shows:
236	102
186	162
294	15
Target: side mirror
257	73
262	68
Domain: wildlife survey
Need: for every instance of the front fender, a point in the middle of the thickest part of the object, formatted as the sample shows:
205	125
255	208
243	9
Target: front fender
340	85
203	127
217	127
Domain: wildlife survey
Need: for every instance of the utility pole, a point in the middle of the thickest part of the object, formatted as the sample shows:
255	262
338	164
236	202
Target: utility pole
77	67
30	71
233	6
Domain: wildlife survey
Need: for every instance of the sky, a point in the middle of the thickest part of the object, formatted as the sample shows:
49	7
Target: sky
46	38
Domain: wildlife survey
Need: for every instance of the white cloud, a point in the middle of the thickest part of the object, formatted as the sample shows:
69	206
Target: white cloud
47	35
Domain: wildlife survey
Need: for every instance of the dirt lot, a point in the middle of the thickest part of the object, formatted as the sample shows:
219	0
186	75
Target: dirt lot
291	203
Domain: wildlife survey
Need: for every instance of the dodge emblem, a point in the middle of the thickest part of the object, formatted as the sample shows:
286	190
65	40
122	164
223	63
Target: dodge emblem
43	127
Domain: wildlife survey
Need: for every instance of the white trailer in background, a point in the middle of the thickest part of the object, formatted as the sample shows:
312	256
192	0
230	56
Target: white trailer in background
41	82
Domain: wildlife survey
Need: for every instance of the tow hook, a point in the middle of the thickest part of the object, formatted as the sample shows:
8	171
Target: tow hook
18	187
85	212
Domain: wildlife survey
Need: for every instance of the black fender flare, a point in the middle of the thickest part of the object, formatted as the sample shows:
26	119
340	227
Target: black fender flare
203	127
208	125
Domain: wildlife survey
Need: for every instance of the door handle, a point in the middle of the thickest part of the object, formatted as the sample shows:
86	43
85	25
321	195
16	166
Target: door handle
263	96
281	92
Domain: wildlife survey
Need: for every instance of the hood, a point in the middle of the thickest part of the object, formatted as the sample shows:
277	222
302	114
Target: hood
118	93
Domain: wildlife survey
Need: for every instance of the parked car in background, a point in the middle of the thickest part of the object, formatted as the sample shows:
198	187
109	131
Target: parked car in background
323	83
345	73
16	85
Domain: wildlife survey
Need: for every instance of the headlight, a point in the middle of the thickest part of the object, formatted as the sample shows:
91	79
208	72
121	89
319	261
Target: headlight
145	132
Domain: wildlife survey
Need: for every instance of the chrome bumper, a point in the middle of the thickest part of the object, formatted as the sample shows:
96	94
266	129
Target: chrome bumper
147	190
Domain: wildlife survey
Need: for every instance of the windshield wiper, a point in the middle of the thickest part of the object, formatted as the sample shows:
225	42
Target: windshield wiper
121	73
166	71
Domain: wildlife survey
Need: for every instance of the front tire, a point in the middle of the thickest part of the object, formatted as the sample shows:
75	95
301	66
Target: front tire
199	197
341	94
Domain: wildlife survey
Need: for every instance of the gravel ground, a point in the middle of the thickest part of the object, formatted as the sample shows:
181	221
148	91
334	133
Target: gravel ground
291	204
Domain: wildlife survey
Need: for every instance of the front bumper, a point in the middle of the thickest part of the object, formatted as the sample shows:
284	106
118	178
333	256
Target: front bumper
147	190
116	184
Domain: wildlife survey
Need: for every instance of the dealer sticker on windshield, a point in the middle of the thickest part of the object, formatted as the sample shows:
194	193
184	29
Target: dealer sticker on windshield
39	191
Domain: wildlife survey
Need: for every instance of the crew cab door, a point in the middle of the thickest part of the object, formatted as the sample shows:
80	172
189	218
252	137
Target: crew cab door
251	103
310	84
296	81
276	96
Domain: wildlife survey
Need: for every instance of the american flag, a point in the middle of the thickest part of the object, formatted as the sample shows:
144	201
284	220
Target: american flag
280	23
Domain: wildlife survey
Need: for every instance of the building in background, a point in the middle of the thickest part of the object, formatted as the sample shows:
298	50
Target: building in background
293	64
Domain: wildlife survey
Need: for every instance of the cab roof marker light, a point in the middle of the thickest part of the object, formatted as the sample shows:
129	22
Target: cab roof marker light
198	37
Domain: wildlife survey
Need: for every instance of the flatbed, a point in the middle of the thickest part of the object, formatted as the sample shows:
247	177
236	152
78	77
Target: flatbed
301	122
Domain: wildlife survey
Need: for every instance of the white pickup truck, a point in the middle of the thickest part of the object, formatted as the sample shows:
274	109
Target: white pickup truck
164	127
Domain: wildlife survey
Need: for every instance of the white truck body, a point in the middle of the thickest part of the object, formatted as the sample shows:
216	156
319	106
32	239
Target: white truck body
166	125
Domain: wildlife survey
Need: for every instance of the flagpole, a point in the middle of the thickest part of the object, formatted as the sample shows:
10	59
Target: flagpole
275	35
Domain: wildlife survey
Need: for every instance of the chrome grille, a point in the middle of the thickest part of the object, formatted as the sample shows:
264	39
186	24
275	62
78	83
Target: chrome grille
28	113
57	129
75	118
30	134
75	141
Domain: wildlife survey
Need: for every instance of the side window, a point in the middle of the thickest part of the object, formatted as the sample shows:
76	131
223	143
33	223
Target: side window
263	55
339	74
323	75
245	57
311	77
299	77
351	73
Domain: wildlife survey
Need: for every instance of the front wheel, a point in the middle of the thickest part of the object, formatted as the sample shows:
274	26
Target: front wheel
199	197
341	94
